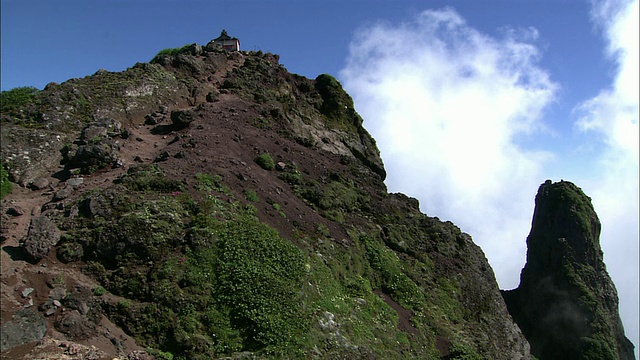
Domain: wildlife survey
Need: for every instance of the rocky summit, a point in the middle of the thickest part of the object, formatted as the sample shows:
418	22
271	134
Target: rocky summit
566	303
210	204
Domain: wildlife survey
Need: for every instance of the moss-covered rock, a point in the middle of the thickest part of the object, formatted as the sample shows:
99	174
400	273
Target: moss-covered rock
566	303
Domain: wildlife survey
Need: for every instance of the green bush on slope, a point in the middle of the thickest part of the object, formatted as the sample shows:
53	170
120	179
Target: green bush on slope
12	100
5	184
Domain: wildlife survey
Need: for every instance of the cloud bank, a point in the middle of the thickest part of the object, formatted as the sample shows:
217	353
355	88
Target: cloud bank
612	116
447	106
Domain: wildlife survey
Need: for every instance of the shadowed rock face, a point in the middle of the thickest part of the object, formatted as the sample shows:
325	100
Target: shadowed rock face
566	304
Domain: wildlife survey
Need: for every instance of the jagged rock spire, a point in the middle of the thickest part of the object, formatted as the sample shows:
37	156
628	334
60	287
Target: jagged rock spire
566	303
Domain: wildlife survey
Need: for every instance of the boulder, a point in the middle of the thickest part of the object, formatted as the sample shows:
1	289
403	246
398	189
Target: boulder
26	326
41	236
75	326
95	156
182	118
96	148
62	193
75	182
39	184
15	210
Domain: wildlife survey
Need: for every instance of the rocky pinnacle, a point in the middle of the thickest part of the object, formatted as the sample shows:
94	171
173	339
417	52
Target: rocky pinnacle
566	303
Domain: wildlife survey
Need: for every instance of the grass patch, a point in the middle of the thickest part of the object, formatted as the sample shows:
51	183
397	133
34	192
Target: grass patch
251	195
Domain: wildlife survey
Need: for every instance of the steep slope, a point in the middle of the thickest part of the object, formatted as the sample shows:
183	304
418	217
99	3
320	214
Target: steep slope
566	303
211	204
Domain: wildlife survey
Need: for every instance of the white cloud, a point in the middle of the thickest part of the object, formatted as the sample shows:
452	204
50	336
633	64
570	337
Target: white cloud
446	105
613	116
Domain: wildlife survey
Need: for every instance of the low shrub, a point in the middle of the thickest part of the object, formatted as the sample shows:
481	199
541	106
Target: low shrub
12	100
5	184
265	161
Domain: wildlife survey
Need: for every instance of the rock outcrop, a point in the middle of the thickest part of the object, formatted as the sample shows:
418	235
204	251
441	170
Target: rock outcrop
566	303
42	235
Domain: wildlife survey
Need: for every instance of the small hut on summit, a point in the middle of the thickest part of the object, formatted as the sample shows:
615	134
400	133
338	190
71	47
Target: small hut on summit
227	42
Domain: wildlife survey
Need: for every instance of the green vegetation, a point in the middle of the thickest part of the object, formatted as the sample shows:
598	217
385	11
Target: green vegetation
172	51
5	184
148	177
390	277
159	354
463	352
205	278
251	195
337	105
291	176
265	161
591	348
98	291
566	195
12	100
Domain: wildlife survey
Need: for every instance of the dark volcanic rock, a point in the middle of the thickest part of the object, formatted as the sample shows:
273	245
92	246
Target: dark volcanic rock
26	326
566	304
75	326
96	147
182	118
42	235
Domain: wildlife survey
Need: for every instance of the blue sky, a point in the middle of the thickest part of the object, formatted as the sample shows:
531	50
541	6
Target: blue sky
473	103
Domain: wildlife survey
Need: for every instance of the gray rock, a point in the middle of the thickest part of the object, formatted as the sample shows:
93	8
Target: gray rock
104	203
75	182
39	184
96	148
163	156
31	153
62	193
98	155
26	292
93	132
195	49
154	118
77	303
26	326
50	311
41	236
57	293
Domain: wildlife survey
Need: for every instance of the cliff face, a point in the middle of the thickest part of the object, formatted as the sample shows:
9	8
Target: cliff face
211	204
566	303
